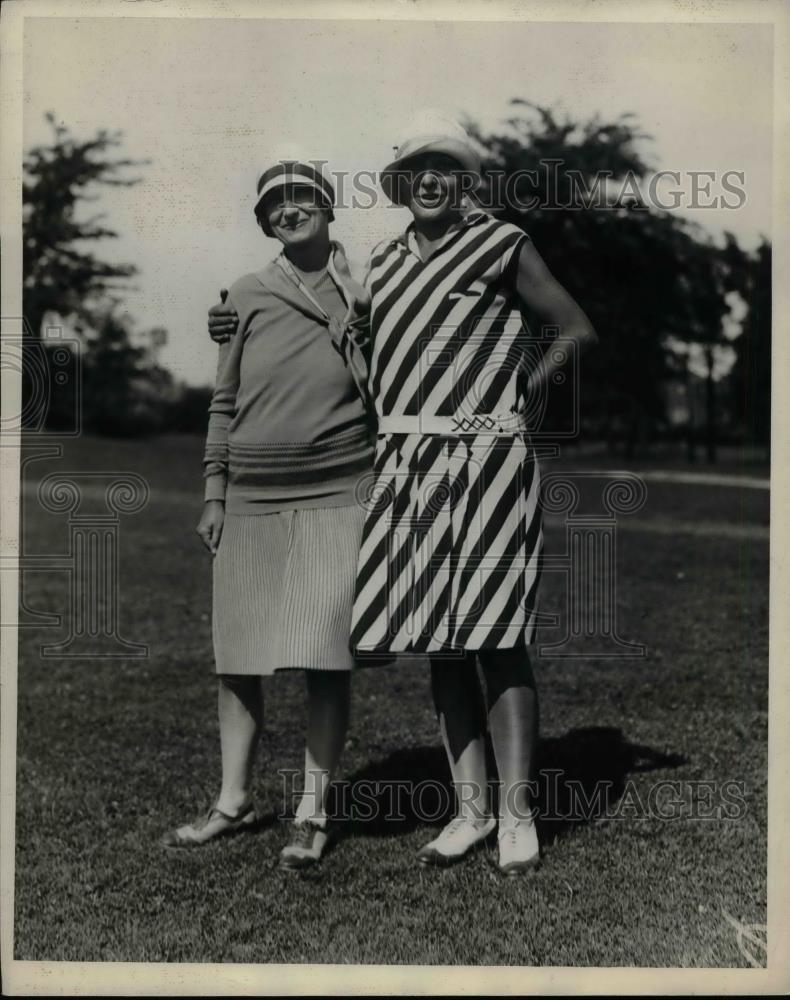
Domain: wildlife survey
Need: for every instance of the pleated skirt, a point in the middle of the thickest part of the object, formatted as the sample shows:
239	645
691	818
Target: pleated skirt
451	551
283	589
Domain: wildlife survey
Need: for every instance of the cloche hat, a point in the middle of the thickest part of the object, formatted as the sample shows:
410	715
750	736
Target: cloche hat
306	172
430	131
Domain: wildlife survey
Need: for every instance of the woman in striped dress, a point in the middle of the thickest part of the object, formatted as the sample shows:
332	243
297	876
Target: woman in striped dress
449	561
288	439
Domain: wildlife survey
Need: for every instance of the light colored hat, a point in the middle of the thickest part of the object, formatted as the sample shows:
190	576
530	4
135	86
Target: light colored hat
430	131
308	173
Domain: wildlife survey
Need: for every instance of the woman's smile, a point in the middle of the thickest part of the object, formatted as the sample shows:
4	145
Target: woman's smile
293	212
431	195
303	225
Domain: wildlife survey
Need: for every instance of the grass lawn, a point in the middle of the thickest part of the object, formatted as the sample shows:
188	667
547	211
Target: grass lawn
112	753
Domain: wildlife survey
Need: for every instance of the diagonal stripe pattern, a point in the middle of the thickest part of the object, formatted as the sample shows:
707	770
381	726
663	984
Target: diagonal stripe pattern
451	549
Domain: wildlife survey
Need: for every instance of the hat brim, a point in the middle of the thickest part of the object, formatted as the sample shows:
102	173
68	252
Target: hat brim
281	182
392	177
322	200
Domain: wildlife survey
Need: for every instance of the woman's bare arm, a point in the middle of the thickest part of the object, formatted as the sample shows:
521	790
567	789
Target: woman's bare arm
539	291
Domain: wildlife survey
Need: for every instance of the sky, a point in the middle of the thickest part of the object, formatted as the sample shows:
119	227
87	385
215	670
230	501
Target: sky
212	102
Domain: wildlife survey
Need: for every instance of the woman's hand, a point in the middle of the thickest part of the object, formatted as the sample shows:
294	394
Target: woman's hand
223	320
210	525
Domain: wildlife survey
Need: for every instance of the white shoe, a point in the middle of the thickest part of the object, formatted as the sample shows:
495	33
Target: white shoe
456	840
519	849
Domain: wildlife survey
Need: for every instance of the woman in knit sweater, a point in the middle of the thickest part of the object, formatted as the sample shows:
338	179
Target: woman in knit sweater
287	442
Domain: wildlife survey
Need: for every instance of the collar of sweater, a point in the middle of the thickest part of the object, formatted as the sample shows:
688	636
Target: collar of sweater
276	279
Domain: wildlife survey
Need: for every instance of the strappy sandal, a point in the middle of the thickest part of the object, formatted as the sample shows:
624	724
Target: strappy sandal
211	826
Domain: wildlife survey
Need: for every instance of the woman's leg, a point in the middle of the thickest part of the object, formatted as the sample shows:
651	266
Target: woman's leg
240	709
328	700
458	701
459	707
513	724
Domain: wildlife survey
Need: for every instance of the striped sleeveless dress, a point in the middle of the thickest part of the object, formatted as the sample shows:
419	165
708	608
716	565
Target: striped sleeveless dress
450	551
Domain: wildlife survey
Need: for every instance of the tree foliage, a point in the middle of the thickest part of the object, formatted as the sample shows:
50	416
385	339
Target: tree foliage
62	274
750	380
121	390
644	276
124	394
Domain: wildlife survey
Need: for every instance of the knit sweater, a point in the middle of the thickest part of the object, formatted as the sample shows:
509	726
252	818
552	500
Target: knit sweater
288	425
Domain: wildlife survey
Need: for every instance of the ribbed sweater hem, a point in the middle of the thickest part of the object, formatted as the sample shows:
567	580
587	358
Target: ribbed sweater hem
345	493
255	478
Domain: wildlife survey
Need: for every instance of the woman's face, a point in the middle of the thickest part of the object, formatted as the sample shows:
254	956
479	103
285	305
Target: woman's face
435	187
295	215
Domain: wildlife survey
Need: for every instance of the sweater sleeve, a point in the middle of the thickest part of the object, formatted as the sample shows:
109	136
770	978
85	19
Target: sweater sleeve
220	413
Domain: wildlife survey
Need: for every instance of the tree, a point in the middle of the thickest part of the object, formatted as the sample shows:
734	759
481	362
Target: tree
190	412
643	275
123	393
61	274
750	379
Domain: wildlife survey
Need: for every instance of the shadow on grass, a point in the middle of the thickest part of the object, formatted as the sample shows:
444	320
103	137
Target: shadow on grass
582	776
263	823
